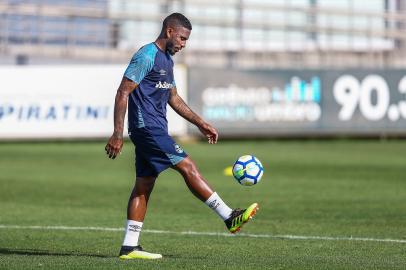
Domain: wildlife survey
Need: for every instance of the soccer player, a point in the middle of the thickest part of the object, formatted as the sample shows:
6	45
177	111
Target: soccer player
148	86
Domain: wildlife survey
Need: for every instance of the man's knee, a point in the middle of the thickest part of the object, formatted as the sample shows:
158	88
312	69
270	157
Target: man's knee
145	182
187	168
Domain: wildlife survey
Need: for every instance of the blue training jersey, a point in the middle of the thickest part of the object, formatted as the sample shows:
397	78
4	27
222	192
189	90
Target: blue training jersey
152	69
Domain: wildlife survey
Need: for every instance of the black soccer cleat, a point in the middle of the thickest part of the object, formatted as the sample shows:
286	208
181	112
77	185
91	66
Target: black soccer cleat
239	217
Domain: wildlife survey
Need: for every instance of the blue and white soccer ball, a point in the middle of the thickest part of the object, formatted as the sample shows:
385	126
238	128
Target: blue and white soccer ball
248	170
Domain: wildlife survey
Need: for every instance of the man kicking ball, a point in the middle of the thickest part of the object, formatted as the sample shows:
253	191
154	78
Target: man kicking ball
147	86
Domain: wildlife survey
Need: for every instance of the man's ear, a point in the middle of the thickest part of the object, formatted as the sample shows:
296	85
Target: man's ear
169	32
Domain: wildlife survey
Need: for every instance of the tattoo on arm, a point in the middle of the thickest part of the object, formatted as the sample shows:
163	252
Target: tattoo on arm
180	107
120	105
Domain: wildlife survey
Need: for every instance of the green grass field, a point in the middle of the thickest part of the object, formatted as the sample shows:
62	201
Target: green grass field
334	190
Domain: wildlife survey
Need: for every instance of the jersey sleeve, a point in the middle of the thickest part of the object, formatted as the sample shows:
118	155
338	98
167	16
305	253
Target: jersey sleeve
139	66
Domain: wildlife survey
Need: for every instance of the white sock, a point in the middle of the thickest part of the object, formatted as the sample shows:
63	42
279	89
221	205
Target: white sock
132	233
218	206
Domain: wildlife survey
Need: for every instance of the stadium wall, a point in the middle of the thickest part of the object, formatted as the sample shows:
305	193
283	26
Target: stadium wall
77	101
66	101
265	103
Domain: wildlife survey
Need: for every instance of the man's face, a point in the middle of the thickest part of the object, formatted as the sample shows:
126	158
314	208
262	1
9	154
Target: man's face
177	37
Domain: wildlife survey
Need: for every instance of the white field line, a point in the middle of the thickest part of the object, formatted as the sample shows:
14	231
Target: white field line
273	236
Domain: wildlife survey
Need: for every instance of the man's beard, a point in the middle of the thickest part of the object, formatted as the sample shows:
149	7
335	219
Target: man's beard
170	48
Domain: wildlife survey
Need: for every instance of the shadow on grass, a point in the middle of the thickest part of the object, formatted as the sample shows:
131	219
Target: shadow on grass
36	252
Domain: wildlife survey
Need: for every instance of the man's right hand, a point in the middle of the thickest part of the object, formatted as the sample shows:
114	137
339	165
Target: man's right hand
114	145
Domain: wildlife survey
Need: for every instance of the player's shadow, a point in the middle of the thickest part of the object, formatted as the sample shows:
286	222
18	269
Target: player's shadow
37	252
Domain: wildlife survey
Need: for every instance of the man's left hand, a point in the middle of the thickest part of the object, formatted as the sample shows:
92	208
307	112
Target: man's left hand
210	133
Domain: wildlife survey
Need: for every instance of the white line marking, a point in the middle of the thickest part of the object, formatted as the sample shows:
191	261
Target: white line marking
291	237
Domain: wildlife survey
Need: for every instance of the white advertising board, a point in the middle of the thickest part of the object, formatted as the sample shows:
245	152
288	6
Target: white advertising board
75	101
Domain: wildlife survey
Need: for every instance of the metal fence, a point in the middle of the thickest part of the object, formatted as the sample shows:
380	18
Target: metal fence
234	33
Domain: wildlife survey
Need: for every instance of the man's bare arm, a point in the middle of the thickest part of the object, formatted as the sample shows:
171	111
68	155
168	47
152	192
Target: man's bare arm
115	143
181	108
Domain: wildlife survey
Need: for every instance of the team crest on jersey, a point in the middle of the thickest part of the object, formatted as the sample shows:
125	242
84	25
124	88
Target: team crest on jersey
162	72
178	149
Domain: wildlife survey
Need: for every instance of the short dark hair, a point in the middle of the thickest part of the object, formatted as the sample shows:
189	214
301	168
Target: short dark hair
177	19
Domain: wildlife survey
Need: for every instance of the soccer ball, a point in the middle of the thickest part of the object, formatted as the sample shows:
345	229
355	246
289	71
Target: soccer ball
248	170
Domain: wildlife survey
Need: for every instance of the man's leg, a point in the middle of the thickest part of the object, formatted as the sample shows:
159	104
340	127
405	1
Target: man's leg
137	204
136	209
234	219
193	179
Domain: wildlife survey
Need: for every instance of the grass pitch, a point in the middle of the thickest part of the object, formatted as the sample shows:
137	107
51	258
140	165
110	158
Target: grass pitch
333	190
